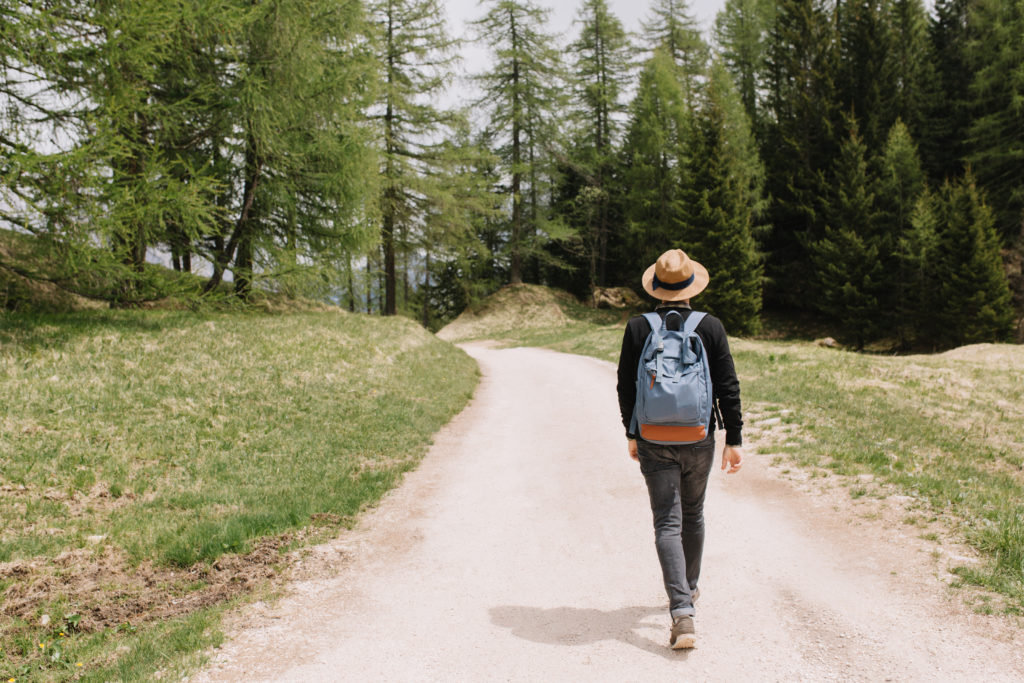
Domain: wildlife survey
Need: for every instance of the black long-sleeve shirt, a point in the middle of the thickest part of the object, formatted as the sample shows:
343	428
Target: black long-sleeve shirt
725	385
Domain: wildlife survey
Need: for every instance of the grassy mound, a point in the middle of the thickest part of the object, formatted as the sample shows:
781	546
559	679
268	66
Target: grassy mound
515	310
153	463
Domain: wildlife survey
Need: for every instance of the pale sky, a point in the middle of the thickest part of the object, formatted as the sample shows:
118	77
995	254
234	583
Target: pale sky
563	14
564	11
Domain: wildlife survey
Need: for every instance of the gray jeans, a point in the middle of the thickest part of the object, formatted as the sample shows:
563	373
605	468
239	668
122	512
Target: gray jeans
677	479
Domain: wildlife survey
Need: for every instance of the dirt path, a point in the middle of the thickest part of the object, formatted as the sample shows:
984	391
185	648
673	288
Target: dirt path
522	550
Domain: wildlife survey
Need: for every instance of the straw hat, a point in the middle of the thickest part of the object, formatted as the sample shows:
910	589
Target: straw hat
675	277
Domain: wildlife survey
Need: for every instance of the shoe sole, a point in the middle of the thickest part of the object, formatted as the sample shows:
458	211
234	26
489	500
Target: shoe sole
685	642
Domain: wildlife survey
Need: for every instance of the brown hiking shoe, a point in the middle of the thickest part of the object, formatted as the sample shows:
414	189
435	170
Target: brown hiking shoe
683	635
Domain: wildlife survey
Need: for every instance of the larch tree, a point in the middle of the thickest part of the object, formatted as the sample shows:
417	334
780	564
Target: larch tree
302	162
600	72
672	28
521	98
417	57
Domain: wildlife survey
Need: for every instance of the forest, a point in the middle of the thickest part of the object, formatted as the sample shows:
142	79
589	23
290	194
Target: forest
858	163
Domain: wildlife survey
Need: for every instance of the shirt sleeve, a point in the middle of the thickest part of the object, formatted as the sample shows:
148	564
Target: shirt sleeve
724	382
629	356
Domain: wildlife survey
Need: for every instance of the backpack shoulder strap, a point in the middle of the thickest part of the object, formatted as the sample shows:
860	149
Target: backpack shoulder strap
654	320
692	321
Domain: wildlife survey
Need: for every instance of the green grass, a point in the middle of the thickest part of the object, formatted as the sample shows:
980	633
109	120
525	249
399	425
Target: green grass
948	432
171	438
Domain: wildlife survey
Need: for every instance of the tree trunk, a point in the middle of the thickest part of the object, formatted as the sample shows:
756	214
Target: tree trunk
369	285
516	265
243	227
388	244
426	289
390	198
351	284
243	267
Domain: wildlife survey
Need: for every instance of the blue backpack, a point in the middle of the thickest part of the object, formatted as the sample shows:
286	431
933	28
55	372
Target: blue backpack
673	384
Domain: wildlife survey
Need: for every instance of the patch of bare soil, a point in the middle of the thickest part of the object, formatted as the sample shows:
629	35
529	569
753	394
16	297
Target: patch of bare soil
106	591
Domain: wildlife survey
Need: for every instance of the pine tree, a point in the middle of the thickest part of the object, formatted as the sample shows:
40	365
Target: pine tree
996	56
741	31
726	180
966	270
671	27
659	132
851	276
800	143
600	75
522	99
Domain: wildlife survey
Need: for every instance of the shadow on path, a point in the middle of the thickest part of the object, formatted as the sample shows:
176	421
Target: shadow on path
575	626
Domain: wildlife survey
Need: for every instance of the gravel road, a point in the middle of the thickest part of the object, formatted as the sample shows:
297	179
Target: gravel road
522	550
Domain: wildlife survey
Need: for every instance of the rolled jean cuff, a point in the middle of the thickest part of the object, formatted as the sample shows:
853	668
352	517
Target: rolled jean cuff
683	612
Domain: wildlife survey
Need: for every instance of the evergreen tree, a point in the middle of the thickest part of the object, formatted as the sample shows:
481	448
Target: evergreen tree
900	184
947	117
726	178
671	27
917	249
966	272
522	98
851	275
799	144
659	132
996	55
866	76
600	74
911	66
417	56
741	31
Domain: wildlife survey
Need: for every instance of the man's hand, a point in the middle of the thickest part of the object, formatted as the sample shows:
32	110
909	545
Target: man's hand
732	457
632	450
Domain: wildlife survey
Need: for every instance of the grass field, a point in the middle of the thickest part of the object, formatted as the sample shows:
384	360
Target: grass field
153	465
946	429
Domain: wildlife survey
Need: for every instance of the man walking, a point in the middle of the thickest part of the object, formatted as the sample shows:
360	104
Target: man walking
677	476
